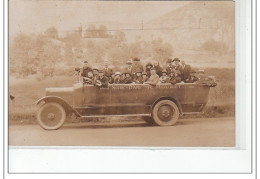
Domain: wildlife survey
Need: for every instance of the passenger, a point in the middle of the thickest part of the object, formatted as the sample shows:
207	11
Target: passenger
89	79
192	77
148	69
128	78
174	77
154	78
164	78
112	78
95	73
186	71
158	68
85	69
169	66
129	67
138	78
176	65
137	66
144	77
122	79
102	80
117	78
107	71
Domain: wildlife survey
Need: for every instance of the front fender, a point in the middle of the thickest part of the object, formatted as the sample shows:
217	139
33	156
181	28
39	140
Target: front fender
68	108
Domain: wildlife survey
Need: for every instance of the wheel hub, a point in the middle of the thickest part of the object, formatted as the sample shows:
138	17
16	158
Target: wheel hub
51	116
165	113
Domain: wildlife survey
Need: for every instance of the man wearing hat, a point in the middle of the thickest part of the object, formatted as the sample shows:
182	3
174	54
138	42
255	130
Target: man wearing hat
164	78
186	71
148	67
107	71
129	66
169	66
95	73
137	66
117	78
176	65
102	80
192	78
128	78
144	77
158	68
154	78
174	77
138	78
85	69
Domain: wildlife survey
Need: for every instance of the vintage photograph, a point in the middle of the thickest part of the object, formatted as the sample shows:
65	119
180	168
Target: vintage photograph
122	73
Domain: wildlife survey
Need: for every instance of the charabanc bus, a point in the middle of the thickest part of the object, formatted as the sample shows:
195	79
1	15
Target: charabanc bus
161	104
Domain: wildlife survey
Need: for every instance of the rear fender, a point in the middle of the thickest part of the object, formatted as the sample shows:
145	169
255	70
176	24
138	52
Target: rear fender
68	108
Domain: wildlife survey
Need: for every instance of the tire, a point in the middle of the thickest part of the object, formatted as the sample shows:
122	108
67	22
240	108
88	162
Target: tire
51	116
165	113
148	120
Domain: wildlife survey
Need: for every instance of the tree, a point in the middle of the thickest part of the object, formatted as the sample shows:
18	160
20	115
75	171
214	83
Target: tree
52	32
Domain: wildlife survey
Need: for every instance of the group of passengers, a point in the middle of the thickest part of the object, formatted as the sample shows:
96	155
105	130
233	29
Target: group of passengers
135	73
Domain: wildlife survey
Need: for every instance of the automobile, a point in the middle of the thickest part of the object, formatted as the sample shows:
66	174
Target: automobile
161	104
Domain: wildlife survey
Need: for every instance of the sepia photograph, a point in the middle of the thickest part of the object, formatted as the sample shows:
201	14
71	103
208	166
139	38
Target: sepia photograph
121	73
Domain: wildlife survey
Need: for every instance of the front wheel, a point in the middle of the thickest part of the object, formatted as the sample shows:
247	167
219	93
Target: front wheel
51	116
165	113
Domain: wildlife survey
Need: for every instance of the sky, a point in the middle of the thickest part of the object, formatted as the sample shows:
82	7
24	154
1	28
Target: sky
31	16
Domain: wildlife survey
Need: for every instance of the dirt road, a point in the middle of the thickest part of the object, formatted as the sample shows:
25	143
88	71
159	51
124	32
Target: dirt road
213	132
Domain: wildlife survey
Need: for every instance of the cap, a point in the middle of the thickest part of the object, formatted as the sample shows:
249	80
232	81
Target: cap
144	73
149	64
100	71
164	71
169	60
136	59
95	69
117	73
176	59
85	61
128	62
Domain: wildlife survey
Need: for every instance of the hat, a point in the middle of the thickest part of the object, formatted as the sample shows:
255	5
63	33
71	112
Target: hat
117	73
169	60
201	71
176	59
85	61
144	73
100	71
136	59
95	69
128	62
149	64
164	71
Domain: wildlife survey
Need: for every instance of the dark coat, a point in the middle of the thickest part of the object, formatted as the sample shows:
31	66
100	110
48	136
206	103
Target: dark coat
138	80
158	70
85	71
128	80
174	79
104	82
108	72
186	72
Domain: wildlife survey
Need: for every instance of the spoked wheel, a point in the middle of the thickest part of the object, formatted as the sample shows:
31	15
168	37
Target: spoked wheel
165	113
51	116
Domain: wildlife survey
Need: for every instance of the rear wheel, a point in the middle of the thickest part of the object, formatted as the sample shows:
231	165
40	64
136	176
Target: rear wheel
51	116
165	113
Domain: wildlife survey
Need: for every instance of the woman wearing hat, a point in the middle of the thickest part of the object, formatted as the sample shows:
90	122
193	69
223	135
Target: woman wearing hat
148	69
137	65
117	78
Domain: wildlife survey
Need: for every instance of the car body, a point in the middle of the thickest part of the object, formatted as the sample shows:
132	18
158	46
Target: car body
160	104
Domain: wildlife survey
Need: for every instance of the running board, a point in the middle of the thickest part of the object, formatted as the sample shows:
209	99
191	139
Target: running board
125	115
